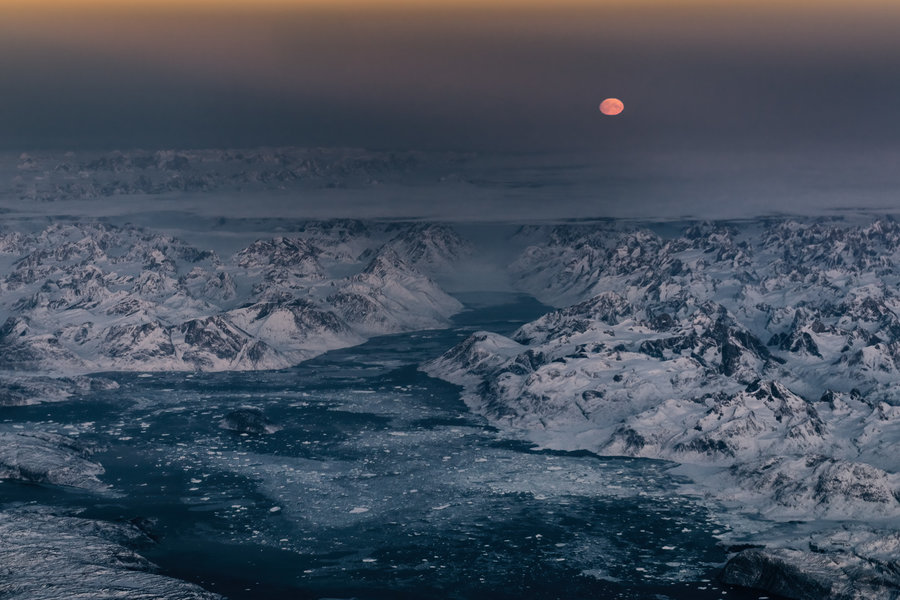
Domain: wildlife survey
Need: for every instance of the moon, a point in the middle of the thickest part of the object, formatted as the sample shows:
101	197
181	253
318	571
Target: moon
612	106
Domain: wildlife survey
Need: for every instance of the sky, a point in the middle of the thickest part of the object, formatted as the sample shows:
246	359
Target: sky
755	89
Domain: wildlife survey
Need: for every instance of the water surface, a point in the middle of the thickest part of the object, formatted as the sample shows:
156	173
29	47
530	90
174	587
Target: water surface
379	484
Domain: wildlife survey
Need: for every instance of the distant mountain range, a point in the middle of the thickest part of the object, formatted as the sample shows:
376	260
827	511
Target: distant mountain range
56	177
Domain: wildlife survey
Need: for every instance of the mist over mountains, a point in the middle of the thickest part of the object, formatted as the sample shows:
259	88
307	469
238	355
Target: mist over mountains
323	183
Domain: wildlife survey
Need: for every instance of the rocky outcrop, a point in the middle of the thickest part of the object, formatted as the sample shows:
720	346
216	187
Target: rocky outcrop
47	458
47	556
808	575
248	420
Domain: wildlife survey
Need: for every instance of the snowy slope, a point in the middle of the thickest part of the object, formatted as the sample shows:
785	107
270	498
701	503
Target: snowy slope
83	297
762	356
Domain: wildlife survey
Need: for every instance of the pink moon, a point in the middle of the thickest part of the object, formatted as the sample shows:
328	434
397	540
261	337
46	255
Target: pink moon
612	106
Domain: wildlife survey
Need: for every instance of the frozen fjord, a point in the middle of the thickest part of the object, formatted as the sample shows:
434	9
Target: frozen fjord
379	483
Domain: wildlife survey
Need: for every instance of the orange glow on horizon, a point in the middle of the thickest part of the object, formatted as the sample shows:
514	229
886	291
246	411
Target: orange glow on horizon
815	5
263	44
788	11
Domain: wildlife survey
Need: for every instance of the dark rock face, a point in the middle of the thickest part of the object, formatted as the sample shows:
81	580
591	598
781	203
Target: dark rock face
817	574
248	420
765	570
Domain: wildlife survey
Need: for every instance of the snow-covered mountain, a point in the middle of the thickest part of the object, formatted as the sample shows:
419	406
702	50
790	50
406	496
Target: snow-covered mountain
763	356
87	297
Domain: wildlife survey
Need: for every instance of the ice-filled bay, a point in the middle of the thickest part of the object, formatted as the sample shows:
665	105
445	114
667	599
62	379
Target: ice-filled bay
356	475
